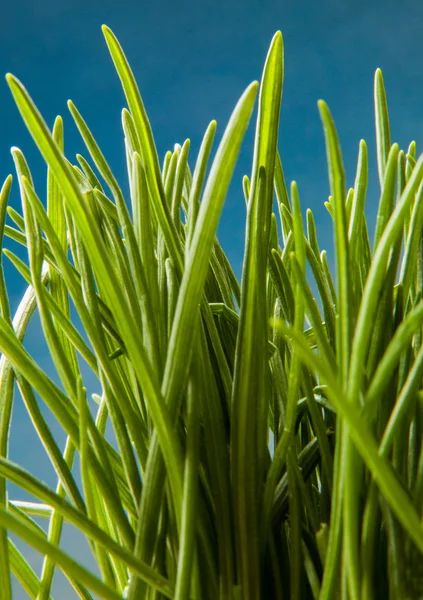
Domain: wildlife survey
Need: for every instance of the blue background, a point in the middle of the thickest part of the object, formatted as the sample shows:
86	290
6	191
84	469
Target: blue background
192	61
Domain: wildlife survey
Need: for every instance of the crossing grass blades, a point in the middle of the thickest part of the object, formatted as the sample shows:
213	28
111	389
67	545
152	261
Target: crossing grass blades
267	445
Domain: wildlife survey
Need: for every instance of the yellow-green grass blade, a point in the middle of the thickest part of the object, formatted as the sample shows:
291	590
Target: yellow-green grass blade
27	482
93	328
383	135
198	180
70	567
410	258
179	184
114	294
192	285
6	398
187	573
375	280
138	277
146	147
250	396
23	572
61	320
337	186
387	199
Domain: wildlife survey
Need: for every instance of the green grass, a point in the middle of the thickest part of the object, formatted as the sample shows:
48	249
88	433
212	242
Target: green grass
201	375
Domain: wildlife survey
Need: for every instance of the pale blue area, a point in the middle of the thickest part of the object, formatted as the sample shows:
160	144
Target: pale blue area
192	61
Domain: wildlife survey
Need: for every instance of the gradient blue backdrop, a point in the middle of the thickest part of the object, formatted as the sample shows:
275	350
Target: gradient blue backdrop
192	61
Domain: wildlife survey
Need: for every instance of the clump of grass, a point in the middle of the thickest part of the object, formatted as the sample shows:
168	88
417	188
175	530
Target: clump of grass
268	445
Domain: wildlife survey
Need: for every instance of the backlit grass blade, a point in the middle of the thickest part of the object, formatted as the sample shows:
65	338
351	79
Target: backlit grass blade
281	194
117	301
68	565
198	180
146	147
179	184
386	204
186	576
250	397
23	479
6	399
410	258
375	280
383	135
357	218
23	572
203	240
312	233
337	184
191	289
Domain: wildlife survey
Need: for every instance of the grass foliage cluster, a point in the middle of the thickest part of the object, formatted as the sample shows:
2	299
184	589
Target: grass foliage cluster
268	444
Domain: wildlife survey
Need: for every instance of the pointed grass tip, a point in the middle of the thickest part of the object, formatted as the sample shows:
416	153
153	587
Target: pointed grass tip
107	32
12	80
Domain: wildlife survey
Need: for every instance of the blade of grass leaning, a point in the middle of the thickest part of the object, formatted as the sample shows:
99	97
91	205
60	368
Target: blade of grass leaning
23	479
6	400
133	250
375	279
117	301
61	320
248	458
69	566
191	290
146	146
179	184
23	572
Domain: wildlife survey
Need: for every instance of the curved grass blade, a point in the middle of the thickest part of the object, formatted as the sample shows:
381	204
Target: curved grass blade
23	572
29	483
6	400
146	147
191	291
114	294
69	566
375	281
248	454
